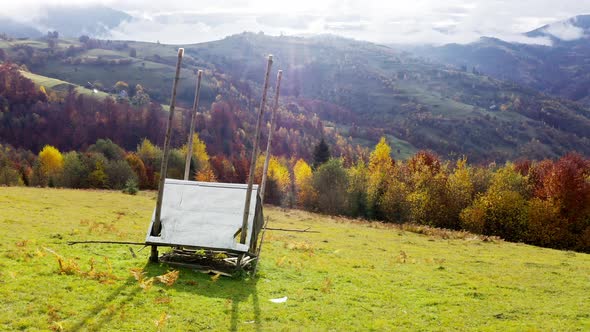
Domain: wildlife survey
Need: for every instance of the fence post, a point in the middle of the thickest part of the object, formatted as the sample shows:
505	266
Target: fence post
270	133
254	153
157	227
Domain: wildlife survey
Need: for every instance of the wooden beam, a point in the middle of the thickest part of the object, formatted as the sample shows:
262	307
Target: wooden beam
275	106
189	151
255	153
157	226
107	242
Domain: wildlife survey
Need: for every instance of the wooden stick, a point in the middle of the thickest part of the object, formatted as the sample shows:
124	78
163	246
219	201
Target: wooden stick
291	230
270	133
157	227
254	153
107	242
189	152
260	247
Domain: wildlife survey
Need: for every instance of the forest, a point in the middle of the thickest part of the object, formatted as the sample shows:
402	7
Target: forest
75	141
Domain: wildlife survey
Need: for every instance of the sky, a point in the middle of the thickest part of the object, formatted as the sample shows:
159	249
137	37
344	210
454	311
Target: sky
390	22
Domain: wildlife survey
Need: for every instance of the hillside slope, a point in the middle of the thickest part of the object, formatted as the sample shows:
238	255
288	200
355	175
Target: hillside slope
561	69
362	90
349	276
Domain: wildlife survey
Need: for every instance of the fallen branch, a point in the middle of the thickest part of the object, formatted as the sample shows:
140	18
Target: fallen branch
108	242
292	230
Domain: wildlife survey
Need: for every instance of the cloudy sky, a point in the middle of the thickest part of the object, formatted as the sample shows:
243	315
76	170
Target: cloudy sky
393	21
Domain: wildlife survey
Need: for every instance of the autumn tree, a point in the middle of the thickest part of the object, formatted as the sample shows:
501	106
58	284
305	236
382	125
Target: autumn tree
138	168
278	179
151	156
200	161
51	163
98	178
121	86
380	169
141	97
8	174
502	210
304	192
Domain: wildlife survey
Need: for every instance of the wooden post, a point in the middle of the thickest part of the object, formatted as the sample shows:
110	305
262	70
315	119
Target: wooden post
157	227
189	152
270	133
254	153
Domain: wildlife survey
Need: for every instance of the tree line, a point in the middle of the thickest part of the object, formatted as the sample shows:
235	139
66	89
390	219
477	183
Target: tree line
545	203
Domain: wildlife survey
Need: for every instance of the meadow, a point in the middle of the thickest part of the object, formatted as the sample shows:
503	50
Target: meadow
352	275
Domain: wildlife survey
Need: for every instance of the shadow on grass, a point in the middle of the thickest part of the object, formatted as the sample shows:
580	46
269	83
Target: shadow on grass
125	293
236	289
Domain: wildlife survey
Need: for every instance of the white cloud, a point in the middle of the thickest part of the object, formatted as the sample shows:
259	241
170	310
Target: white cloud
401	21
565	31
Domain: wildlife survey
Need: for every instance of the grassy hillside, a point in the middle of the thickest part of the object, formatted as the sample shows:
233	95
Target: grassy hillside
62	86
350	276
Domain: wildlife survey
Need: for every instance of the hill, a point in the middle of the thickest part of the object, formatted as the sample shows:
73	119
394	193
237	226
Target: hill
360	90
350	276
561	68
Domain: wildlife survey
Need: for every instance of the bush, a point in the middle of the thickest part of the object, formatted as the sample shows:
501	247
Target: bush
9	177
118	173
131	187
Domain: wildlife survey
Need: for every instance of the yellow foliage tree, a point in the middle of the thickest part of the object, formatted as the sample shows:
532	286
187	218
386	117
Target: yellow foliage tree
305	193
200	155
277	172
381	167
51	161
149	153
206	175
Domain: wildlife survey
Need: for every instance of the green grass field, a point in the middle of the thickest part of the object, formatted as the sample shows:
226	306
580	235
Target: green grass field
61	86
350	276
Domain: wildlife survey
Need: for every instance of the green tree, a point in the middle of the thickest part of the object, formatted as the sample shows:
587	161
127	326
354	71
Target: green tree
118	172
98	178
9	176
321	153
75	173
358	177
109	149
330	181
141	97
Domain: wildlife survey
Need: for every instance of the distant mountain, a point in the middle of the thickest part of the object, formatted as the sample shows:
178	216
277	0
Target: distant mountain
16	29
573	29
562	69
